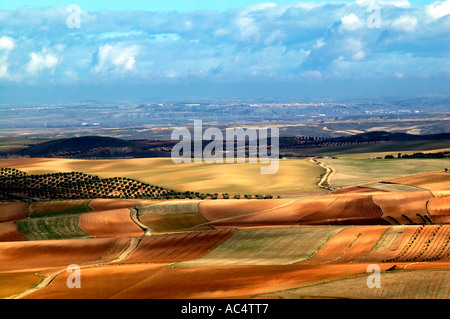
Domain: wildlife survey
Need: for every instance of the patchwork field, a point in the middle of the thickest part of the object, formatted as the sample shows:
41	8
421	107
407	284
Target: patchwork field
319	245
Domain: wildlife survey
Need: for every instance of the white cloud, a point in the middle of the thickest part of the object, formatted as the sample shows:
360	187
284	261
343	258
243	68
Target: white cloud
6	46
39	61
438	9
6	43
116	58
359	55
351	22
405	23
319	43
247	27
396	3
267	40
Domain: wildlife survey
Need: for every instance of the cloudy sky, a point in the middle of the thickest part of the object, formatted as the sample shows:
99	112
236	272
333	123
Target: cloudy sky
69	51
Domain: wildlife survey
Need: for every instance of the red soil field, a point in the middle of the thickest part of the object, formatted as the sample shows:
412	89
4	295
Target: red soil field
101	204
13	211
350	245
98	282
155	282
431	181
176	247
409	204
109	223
363	245
356	210
336	246
260	213
439	209
393	241
428	243
40	255
357	190
9	232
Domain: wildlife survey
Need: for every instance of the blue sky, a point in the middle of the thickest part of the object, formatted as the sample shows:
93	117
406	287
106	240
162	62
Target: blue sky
222	49
159	5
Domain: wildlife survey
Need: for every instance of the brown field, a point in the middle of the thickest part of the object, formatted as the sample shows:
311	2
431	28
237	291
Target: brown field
109	223
157	281
101	204
13	211
349	245
357	190
417	284
314	246
347	210
399	205
9	232
98	282
432	181
176	247
438	208
41	255
260	212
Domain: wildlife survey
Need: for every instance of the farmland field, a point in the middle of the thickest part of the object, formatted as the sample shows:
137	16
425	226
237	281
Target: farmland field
351	172
267	246
293	176
404	284
41	209
312	245
46	228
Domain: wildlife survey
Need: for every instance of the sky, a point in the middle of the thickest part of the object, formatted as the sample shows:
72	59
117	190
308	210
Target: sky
70	51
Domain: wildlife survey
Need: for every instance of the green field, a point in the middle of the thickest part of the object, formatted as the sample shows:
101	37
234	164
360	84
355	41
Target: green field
350	172
51	208
46	228
268	246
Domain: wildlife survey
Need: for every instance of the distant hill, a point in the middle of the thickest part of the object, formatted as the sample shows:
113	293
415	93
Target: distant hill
377	141
108	147
97	147
379	136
